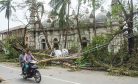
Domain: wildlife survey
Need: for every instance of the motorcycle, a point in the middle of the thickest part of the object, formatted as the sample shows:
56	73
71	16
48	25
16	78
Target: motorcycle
32	72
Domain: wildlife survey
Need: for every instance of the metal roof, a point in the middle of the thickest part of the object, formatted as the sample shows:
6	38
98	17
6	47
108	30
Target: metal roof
13	28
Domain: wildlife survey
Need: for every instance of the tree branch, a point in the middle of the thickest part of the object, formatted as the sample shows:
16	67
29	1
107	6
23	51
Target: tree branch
131	9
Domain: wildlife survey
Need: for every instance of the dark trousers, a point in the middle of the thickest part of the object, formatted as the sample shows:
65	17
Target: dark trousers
22	66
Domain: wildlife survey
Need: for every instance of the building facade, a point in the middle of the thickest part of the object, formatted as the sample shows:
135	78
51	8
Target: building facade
35	39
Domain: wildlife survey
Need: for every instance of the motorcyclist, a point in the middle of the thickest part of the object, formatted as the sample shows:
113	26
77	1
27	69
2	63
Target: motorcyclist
28	57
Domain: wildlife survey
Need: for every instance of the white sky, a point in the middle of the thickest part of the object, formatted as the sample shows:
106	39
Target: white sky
21	14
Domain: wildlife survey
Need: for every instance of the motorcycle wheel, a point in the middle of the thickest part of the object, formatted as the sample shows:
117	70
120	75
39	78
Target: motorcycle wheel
37	77
24	77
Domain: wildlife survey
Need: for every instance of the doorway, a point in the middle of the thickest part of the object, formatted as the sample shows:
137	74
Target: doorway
43	44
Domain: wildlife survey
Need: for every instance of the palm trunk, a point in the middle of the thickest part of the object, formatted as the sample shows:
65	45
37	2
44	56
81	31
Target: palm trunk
89	34
79	33
60	36
34	34
8	28
94	22
24	39
66	31
45	34
61	39
42	28
131	42
131	38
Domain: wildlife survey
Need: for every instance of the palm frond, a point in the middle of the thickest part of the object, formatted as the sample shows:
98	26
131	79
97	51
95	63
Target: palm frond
13	8
41	5
60	9
2	8
6	4
56	4
62	14
3	2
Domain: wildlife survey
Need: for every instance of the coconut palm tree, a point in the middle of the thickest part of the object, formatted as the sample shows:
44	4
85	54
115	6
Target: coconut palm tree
37	11
6	5
40	5
95	5
59	8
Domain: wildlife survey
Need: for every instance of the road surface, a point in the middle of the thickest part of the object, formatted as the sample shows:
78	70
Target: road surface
57	75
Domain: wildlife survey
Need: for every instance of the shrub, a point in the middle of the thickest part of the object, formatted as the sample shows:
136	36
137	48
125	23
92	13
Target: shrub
97	50
9	46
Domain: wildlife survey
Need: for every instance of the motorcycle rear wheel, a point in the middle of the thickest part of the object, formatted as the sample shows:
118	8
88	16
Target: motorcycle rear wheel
37	77
24	77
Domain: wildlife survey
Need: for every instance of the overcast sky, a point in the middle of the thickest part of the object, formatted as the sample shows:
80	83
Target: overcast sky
20	14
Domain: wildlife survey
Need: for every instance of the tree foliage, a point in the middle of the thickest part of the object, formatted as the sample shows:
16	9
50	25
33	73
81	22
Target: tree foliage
6	5
60	9
10	46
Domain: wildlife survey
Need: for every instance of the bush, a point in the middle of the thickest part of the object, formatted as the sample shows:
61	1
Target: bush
98	50
12	53
101	53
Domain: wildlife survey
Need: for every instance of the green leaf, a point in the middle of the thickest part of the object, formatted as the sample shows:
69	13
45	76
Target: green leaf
116	9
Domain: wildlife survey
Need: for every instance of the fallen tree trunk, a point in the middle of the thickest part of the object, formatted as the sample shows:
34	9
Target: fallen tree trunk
41	56
58	59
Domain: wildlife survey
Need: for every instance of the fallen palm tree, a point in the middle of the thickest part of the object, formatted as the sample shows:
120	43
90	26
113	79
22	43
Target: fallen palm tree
42	56
60	59
66	62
